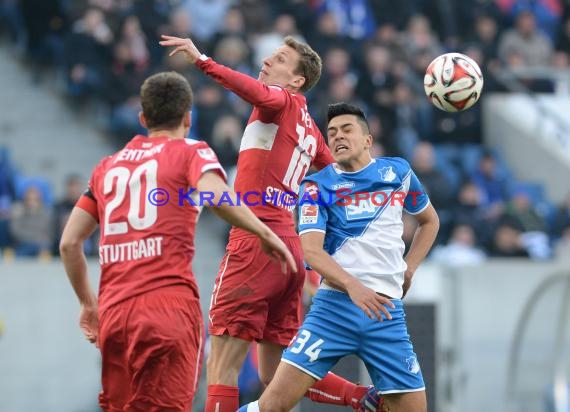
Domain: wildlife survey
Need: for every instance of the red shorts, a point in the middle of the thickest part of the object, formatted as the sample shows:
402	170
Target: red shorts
151	347
252	298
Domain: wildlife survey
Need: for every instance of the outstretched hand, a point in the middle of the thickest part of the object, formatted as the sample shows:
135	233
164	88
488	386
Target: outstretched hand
185	46
277	250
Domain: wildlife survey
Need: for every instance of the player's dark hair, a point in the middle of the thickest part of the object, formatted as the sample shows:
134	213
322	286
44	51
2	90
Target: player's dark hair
310	64
165	98
338	109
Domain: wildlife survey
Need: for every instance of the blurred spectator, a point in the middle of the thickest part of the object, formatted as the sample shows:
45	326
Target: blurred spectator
470	211
74	188
233	26
493	186
433	181
210	106
420	43
87	53
226	140
121	94
31	225
326	35
461	250
391	12
507	242
547	13
521	215
132	36
267	43
45	22
526	41
376	84
354	17
206	15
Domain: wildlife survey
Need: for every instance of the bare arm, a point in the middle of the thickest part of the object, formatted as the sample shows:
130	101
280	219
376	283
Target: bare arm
241	216
428	226
334	274
78	228
249	89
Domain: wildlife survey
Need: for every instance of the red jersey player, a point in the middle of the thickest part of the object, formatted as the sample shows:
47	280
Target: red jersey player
279	145
147	320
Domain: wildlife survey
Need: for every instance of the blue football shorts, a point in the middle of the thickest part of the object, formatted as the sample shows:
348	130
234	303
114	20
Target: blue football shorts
335	327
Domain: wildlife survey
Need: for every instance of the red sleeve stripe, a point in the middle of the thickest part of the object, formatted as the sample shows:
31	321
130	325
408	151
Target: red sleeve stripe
89	205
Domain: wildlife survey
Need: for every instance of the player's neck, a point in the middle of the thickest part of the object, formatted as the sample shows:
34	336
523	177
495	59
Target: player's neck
355	165
178	133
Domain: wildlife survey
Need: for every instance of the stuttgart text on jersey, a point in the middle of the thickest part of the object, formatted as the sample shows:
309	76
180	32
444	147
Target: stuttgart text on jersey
129	251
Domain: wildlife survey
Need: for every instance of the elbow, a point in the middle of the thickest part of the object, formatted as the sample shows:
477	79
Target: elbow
67	246
435	223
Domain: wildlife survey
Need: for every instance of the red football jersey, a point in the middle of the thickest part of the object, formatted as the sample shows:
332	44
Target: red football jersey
147	224
279	145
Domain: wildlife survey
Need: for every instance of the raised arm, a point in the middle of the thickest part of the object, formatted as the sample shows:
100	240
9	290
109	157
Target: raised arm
249	89
241	216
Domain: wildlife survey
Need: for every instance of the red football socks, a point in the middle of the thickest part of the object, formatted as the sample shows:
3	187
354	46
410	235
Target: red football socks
334	390
222	398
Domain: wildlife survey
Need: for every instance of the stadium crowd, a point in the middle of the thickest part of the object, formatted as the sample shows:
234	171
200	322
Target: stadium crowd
374	53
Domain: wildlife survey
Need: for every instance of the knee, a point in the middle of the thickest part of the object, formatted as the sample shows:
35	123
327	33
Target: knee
274	404
265	378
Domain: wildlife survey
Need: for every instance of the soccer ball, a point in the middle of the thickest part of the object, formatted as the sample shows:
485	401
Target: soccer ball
453	82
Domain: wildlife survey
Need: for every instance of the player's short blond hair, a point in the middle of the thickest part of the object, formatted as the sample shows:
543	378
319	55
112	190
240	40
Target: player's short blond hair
310	64
165	98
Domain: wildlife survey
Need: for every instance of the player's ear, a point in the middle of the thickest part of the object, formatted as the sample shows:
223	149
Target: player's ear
368	141
142	120
298	82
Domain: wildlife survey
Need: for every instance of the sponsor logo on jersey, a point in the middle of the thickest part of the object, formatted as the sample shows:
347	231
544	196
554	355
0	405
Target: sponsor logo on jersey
342	185
312	190
387	174
413	365
361	209
207	154
309	214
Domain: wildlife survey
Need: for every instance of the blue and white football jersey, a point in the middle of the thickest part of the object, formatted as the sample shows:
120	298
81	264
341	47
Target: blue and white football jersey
361	216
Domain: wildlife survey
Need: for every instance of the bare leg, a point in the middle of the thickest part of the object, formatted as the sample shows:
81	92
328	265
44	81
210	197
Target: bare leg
226	359
224	364
269	357
286	389
405	402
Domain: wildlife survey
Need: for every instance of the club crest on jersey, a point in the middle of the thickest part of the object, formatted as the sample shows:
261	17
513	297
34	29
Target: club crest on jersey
413	365
207	154
387	174
309	214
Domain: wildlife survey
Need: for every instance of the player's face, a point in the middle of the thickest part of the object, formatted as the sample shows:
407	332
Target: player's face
279	68
349	143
